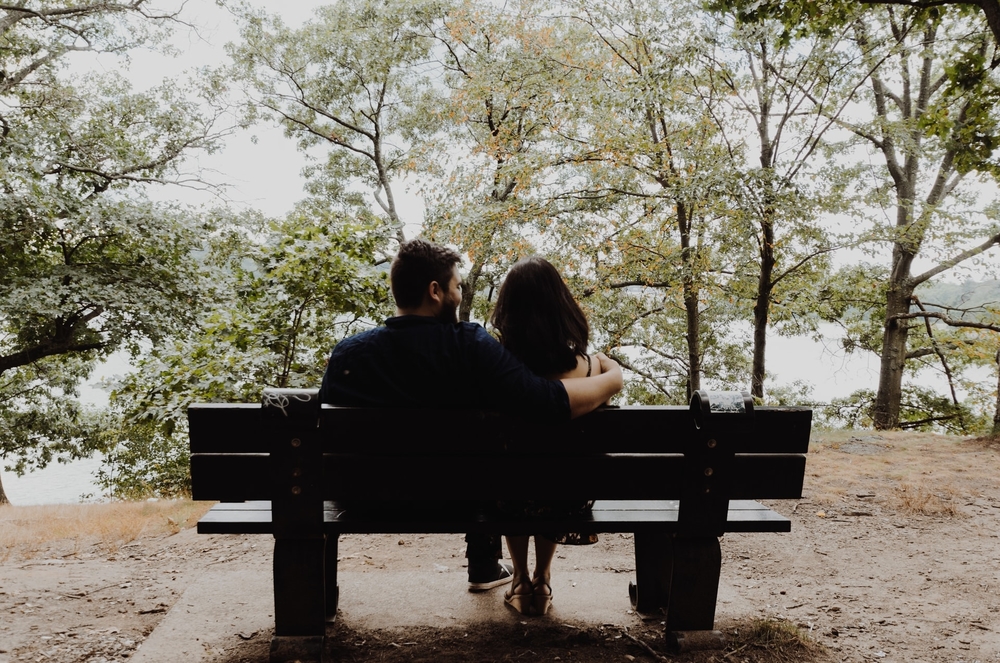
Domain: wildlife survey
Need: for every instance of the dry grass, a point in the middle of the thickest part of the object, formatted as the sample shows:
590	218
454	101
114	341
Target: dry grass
918	500
906	472
27	530
772	641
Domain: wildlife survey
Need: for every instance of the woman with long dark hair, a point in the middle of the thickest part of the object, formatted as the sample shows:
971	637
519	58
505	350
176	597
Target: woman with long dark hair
542	325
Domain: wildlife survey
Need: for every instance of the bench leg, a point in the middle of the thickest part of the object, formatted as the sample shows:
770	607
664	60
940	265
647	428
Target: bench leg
679	575
330	567
299	600
694	587
653	571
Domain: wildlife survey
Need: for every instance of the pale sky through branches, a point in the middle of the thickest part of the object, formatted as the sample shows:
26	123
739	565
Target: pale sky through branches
259	168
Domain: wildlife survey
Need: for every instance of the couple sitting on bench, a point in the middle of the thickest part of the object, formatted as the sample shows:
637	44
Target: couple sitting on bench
425	358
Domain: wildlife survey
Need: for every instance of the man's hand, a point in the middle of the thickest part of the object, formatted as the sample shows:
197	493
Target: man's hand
609	365
587	394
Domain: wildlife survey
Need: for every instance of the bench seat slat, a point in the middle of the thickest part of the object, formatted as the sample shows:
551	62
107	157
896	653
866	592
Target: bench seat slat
607	516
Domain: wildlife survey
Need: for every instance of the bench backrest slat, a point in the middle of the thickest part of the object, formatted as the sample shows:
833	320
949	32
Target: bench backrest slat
238	477
236	428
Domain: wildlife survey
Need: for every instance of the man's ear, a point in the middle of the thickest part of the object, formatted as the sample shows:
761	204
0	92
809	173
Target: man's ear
434	293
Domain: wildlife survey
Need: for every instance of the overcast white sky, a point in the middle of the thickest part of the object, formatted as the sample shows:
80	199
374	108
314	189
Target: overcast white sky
260	167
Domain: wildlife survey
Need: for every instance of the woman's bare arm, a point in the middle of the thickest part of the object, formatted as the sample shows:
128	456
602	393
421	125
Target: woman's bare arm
587	394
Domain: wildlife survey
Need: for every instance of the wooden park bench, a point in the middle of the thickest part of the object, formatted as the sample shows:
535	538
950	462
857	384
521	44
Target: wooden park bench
677	478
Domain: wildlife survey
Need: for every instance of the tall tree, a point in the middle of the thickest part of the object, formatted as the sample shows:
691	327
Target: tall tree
497	167
287	291
658	150
87	264
780	97
932	99
354	80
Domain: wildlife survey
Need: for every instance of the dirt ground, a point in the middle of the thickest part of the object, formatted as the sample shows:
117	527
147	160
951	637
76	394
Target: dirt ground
894	556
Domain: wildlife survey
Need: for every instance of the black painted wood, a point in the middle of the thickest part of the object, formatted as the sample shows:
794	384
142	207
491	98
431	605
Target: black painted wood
238	477
235	428
675	477
332	589
299	587
607	516
654	564
694	583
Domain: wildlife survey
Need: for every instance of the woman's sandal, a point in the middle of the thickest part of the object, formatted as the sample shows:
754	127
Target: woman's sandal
541	602
520	602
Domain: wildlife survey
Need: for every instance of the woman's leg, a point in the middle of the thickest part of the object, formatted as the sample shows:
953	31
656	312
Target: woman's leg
545	550
519	594
517	546
541	579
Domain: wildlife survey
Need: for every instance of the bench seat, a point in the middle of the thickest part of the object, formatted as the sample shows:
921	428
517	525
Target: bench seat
607	516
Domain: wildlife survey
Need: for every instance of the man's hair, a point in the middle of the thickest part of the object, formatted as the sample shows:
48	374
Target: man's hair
417	264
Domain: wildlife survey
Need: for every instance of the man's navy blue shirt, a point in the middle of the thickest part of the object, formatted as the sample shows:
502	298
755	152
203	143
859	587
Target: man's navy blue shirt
418	361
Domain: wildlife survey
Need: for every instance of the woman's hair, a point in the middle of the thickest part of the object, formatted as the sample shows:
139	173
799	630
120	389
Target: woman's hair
538	319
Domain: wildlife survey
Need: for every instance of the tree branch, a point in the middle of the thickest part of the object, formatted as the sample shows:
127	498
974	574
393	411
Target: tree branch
951	322
961	257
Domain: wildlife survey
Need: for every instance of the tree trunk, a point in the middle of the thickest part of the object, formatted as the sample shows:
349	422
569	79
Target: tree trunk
685	219
469	286
890	378
3	495
897	302
762	308
996	412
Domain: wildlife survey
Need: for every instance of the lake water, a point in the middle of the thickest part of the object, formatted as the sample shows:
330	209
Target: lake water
59	483
822	365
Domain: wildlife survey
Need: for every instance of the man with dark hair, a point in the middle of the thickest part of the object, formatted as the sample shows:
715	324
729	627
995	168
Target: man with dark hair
416	266
424	357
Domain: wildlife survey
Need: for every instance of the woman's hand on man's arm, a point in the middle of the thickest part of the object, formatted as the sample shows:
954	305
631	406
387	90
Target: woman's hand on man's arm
587	394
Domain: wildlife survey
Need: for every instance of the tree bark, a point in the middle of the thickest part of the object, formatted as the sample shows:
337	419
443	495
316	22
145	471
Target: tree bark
762	309
765	284
685	219
910	235
469	286
996	412
894	336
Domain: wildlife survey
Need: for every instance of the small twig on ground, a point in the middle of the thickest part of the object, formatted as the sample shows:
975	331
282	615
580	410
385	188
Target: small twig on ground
735	651
652	652
220	561
81	595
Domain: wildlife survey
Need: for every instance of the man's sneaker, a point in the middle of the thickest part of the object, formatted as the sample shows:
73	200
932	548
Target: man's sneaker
500	575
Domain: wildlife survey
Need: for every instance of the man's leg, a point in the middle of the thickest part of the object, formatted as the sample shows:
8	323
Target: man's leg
485	572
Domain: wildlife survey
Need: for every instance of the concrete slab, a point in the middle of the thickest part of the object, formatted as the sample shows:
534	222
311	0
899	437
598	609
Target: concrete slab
224	606
210	615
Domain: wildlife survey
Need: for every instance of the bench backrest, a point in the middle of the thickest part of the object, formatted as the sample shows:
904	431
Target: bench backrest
294	452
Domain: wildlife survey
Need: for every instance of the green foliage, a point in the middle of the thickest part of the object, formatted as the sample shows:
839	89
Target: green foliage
39	417
352	80
88	265
677	165
921	409
286	291
141	461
